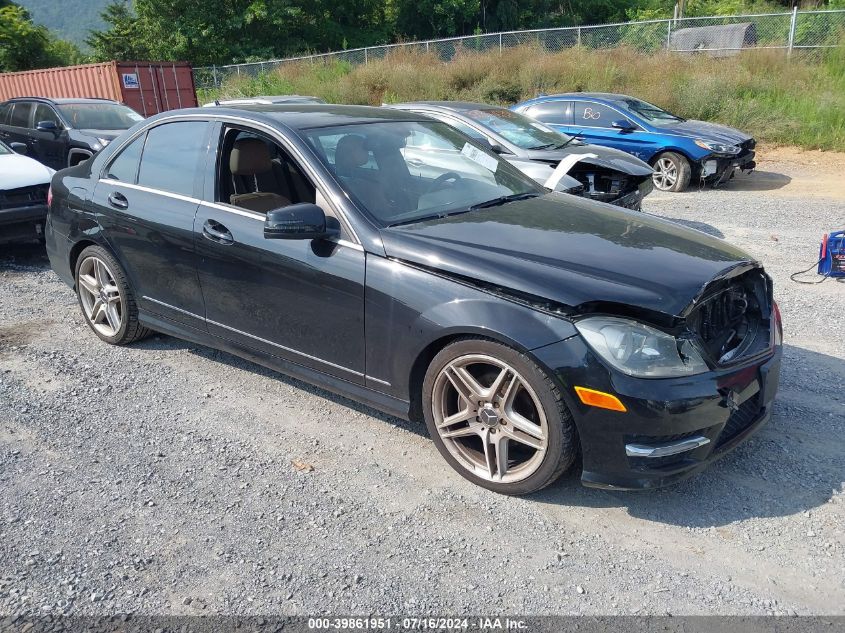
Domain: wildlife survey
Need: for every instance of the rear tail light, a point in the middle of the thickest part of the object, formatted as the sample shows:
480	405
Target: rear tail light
777	330
49	196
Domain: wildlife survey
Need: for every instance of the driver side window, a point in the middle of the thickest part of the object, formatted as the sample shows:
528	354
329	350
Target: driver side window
46	113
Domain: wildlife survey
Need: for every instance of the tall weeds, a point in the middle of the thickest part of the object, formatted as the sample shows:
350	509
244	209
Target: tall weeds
798	101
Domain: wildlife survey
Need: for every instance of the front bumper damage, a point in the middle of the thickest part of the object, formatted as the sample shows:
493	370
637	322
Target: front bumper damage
716	169
602	183
23	223
673	427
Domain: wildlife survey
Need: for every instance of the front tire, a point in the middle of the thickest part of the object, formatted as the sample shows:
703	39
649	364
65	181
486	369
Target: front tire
106	298
497	418
672	172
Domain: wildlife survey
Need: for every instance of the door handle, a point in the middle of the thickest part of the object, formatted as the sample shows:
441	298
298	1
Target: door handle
216	232
118	200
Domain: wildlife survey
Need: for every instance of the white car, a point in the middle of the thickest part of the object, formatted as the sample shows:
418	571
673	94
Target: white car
24	183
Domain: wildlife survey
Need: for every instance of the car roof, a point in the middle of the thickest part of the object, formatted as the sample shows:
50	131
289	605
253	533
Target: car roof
606	96
270	99
64	100
455	106
302	116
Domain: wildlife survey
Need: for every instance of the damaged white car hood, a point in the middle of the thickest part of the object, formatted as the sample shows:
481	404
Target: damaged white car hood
18	171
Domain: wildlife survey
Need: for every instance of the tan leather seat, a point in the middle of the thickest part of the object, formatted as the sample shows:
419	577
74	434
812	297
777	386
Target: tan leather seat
251	157
350	155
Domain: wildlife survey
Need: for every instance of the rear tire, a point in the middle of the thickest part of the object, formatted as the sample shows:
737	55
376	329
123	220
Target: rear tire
672	172
497	418
106	298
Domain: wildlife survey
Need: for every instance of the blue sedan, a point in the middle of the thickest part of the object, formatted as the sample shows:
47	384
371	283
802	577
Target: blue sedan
680	150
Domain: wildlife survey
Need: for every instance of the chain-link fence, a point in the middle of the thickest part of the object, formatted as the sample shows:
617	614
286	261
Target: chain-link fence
716	36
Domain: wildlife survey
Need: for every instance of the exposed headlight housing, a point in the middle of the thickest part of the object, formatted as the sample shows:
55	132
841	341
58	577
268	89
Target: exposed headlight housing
640	350
715	146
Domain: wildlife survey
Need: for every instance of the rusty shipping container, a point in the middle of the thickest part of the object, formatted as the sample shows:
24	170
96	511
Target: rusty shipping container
146	87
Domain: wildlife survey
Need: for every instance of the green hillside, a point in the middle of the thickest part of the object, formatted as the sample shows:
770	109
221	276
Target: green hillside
69	19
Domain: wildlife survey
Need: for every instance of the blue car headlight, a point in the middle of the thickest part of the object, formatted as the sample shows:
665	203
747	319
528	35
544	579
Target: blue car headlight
640	350
715	146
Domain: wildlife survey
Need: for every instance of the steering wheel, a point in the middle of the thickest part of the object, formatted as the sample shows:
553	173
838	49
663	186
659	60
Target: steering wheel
442	179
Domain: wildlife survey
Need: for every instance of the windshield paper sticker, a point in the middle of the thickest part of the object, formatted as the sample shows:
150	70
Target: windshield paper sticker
477	156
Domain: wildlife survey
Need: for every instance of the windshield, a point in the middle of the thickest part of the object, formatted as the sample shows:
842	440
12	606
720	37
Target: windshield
523	132
649	112
99	116
407	171
4	149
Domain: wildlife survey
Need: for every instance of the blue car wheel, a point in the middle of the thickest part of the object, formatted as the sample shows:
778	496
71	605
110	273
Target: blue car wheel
671	172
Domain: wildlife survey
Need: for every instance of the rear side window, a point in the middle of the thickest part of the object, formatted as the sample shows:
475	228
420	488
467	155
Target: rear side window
125	167
20	115
4	113
173	156
554	112
594	115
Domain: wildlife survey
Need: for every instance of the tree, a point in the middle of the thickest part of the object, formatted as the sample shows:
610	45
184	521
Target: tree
426	19
124	39
24	45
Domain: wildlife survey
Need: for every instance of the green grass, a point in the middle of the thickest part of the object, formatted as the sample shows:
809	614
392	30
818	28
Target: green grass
798	101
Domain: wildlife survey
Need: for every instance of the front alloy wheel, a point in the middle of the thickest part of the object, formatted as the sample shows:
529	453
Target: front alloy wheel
497	418
671	172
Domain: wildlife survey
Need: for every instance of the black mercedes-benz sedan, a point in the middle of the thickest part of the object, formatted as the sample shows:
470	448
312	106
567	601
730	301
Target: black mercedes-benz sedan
528	328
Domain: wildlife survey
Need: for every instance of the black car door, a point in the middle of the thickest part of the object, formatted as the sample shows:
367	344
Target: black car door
146	199
300	300
48	145
16	128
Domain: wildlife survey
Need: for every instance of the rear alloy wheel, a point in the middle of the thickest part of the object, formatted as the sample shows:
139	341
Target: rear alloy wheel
497	418
106	299
671	172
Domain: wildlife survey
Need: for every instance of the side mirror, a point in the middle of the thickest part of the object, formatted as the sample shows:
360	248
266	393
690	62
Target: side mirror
493	147
47	126
623	124
304	221
19	148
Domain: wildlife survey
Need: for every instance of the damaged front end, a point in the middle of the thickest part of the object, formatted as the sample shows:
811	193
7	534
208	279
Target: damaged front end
717	168
605	183
608	185
734	318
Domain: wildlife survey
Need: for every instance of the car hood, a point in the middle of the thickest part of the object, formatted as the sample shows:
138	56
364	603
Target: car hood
108	135
21	171
707	131
577	253
605	157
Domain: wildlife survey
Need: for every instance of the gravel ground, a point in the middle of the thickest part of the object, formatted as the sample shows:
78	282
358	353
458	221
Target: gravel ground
168	478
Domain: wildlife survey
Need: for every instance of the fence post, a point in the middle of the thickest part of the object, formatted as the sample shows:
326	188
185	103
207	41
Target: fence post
792	30
366	59
214	75
500	42
668	35
579	37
